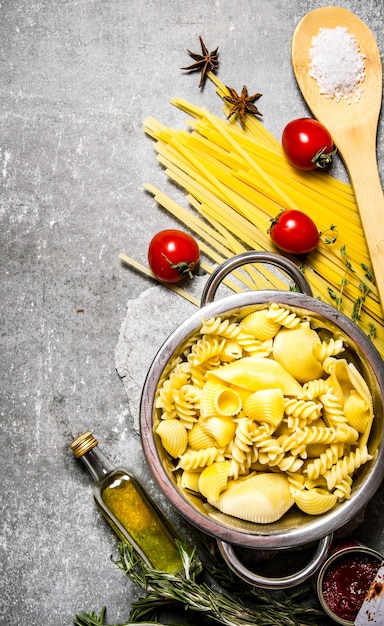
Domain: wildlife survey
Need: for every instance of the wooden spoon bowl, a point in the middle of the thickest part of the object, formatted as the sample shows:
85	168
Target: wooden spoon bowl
353	125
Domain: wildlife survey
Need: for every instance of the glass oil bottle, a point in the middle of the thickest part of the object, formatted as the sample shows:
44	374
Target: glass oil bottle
128	509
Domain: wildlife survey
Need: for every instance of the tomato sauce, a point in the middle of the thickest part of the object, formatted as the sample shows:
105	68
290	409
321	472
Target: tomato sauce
346	583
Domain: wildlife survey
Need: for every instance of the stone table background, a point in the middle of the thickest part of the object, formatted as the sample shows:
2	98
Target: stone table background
78	78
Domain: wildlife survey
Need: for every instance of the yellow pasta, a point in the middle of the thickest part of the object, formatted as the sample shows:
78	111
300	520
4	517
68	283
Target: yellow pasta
327	349
222	429
346	466
173	436
189	480
236	180
236	424
224	328
314	388
294	349
185	409
254	347
282	316
260	325
265	405
333	408
256	373
305	411
314	501
198	439
204	349
219	400
263	498
214	479
325	461
357	411
193	459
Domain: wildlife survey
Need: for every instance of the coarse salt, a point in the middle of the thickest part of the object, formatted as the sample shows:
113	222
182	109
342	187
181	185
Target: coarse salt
337	64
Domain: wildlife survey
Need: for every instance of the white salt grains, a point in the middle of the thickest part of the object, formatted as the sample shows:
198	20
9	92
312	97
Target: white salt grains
336	64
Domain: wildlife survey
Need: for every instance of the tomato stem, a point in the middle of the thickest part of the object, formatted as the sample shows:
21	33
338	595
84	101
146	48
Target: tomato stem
323	158
184	268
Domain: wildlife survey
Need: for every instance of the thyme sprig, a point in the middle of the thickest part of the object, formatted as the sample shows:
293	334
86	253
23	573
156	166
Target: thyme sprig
338	298
167	590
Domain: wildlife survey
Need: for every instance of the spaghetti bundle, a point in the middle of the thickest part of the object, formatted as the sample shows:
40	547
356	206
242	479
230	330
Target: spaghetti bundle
237	180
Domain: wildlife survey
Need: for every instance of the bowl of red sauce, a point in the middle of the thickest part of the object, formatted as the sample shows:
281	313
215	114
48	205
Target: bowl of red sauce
344	580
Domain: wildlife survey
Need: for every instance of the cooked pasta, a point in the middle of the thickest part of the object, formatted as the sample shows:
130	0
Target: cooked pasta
294	349
173	436
239	425
283	316
199	439
217	399
314	501
260	325
204	349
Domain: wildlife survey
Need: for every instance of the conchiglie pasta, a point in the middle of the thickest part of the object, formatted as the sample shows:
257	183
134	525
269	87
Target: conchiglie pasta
357	412
262	499
198	439
345	380
260	325
189	480
255	373
219	400
294	350
266	405
314	501
173	436
213	479
222	429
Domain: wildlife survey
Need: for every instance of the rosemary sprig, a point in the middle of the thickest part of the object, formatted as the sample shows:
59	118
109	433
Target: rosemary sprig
166	590
219	606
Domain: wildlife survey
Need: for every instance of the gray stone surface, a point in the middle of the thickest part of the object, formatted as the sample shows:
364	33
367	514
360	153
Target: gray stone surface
78	78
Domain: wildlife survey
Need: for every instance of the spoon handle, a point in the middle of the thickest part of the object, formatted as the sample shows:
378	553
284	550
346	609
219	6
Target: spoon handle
361	162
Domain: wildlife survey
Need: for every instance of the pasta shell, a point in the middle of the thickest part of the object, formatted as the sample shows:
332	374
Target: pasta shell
357	412
255	373
260	325
198	439
173	436
346	379
222	429
262	499
219	399
314	501
190	480
294	350
266	405
213	479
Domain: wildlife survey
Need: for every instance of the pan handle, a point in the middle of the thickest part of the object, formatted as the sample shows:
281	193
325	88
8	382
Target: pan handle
228	553
253	256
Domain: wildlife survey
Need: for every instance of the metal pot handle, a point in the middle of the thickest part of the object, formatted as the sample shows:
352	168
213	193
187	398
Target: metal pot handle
253	256
228	553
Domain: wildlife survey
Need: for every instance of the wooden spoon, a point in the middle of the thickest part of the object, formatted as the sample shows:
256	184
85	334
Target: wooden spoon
353	126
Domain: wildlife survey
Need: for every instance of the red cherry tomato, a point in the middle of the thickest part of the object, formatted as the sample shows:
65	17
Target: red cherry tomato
173	255
307	144
293	231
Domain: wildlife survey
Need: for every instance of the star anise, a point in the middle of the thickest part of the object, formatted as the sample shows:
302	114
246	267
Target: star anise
204	62
242	104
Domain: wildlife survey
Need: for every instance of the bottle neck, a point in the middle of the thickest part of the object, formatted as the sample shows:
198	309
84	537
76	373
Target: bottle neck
97	463
85	447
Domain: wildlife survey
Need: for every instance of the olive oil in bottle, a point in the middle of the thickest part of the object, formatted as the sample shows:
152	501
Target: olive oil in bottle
128	509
